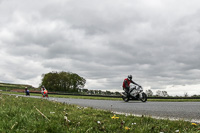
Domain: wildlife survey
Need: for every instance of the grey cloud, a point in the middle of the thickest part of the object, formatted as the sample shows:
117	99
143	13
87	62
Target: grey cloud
101	18
105	41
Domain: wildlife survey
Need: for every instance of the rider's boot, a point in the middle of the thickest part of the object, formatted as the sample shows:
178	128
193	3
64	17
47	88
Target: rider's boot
127	94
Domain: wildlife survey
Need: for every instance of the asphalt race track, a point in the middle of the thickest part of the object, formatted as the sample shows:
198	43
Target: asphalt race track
172	110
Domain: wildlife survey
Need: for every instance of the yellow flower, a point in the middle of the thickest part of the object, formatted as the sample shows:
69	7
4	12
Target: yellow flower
114	117
127	128
194	124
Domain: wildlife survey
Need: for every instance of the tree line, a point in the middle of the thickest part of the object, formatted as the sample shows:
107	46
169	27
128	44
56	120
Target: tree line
159	93
98	92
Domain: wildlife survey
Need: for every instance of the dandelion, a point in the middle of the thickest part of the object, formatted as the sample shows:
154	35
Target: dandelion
133	124
79	108
114	117
194	124
177	131
78	124
66	119
98	122
126	114
127	128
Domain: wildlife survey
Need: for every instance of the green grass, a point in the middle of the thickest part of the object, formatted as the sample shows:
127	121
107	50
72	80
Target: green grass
8	86
20	115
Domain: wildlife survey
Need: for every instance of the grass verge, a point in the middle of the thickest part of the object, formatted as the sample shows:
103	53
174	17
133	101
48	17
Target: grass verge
22	114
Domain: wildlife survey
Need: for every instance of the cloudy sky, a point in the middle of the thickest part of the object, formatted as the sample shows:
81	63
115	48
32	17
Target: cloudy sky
156	41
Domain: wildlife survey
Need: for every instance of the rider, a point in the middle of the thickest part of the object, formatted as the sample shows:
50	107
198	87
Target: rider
42	90
126	84
27	91
45	93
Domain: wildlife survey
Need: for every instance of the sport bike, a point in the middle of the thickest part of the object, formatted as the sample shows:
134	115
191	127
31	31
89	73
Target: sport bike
135	93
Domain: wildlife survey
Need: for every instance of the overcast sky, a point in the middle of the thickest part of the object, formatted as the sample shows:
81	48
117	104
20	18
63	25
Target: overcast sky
156	41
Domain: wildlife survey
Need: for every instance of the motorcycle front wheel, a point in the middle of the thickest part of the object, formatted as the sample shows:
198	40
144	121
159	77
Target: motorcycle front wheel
144	97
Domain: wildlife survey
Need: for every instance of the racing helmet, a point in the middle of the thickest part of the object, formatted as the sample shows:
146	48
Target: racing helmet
129	77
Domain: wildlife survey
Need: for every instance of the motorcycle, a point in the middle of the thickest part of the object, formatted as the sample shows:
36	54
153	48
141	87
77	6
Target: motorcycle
135	93
45	93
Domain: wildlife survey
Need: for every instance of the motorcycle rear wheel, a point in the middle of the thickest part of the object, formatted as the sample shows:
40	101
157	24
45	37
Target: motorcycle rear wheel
144	97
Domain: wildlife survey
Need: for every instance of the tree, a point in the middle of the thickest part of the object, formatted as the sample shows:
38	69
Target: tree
161	93
158	93
51	81
149	92
85	90
91	92
117	93
108	93
185	94
164	93
63	81
100	92
96	92
76	82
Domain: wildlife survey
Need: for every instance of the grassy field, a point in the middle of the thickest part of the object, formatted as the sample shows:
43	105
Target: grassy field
7	86
22	114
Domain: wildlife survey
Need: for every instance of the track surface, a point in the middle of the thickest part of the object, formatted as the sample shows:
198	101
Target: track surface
172	110
176	110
